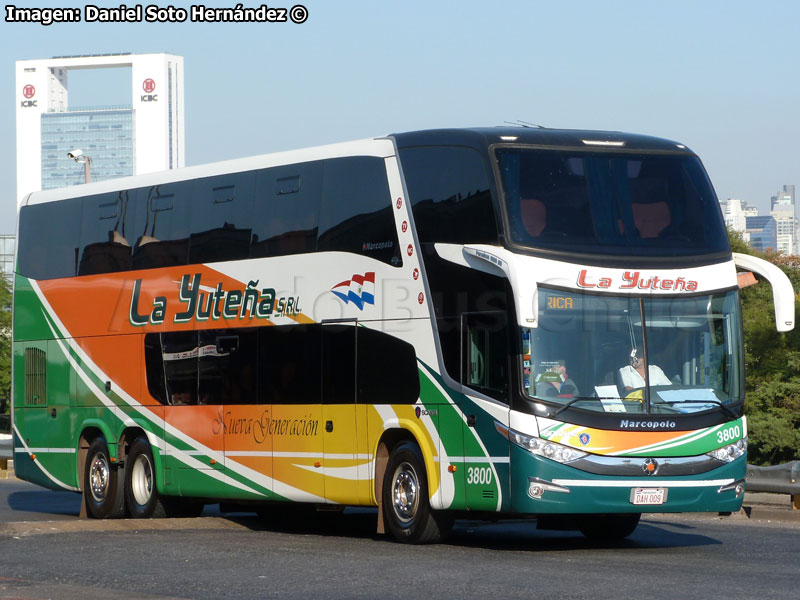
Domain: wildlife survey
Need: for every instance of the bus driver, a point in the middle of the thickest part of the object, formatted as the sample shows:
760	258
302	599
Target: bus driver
632	374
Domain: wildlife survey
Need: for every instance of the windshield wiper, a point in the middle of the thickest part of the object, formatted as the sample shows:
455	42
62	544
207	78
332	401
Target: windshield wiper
573	401
717	403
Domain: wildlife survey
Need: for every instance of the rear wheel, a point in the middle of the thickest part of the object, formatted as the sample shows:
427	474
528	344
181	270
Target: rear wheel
608	528
405	499
141	496
102	483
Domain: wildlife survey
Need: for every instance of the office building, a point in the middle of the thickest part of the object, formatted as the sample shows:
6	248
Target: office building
7	243
736	212
762	233
144	136
782	209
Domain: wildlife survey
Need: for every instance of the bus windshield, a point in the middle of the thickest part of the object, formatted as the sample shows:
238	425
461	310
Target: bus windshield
614	354
610	203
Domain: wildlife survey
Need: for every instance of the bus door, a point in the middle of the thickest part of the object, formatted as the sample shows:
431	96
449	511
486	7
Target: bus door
485	368
340	431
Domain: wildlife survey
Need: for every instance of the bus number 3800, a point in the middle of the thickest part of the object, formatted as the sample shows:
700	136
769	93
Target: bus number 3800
479	475
730	434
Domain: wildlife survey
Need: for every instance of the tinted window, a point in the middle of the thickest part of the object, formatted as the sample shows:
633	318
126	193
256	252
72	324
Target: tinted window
49	239
179	351
356	214
286	210
289	364
228	366
164	239
207	367
485	353
339	364
154	367
454	290
107	222
387	369
293	364
450	195
220	218
614	204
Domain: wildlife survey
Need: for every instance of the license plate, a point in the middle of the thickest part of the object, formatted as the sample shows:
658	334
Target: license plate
648	496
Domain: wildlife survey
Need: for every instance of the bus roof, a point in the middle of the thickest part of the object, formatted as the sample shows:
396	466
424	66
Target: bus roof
538	136
479	137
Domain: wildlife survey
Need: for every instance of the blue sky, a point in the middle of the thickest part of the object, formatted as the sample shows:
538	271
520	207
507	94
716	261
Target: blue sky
722	77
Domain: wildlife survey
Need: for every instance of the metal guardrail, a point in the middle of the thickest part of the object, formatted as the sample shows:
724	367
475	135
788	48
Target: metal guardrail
779	479
6	451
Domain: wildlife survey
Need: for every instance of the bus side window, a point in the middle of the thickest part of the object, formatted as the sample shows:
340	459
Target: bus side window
485	352
286	210
164	239
180	352
220	218
154	367
228	366
104	245
289	364
356	213
449	185
387	369
57	223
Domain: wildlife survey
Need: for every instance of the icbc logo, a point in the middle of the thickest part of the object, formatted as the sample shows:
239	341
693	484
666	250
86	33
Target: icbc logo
415	274
410	250
399	203
29	92
149	86
404	226
421	298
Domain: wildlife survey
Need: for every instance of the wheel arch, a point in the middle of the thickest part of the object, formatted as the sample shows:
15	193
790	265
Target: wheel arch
90	431
389	440
126	439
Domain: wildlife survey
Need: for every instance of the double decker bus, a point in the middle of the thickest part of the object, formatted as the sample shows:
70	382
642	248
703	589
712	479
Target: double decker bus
479	323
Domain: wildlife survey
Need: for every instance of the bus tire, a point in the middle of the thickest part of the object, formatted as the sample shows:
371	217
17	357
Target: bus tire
608	528
141	495
405	499
102	483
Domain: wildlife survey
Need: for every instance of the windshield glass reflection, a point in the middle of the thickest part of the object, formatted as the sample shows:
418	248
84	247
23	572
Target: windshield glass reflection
599	353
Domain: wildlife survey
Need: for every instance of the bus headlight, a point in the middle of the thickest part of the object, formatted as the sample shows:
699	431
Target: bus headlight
540	447
730	452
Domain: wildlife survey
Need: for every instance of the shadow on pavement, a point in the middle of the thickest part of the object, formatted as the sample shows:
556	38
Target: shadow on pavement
45	502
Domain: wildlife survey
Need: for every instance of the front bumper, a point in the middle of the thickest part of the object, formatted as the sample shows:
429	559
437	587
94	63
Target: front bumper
542	486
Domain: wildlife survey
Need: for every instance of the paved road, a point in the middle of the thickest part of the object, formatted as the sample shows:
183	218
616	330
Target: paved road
339	556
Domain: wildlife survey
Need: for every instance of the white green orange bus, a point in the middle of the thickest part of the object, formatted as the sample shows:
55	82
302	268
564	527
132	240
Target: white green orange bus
461	323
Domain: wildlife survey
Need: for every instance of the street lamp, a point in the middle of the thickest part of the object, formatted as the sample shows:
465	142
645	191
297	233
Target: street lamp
79	157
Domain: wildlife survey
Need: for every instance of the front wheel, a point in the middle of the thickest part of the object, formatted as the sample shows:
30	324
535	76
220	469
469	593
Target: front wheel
608	528
405	499
141	496
102	483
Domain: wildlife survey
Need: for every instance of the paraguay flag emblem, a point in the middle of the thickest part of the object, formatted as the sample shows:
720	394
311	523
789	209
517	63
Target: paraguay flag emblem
360	290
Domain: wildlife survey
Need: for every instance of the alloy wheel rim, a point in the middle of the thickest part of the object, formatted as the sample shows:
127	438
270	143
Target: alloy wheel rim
142	480
405	493
99	475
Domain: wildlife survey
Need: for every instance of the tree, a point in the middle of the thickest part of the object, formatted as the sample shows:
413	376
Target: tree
772	367
5	344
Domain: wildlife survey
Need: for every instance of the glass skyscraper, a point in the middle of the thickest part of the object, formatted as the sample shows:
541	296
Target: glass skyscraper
104	133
